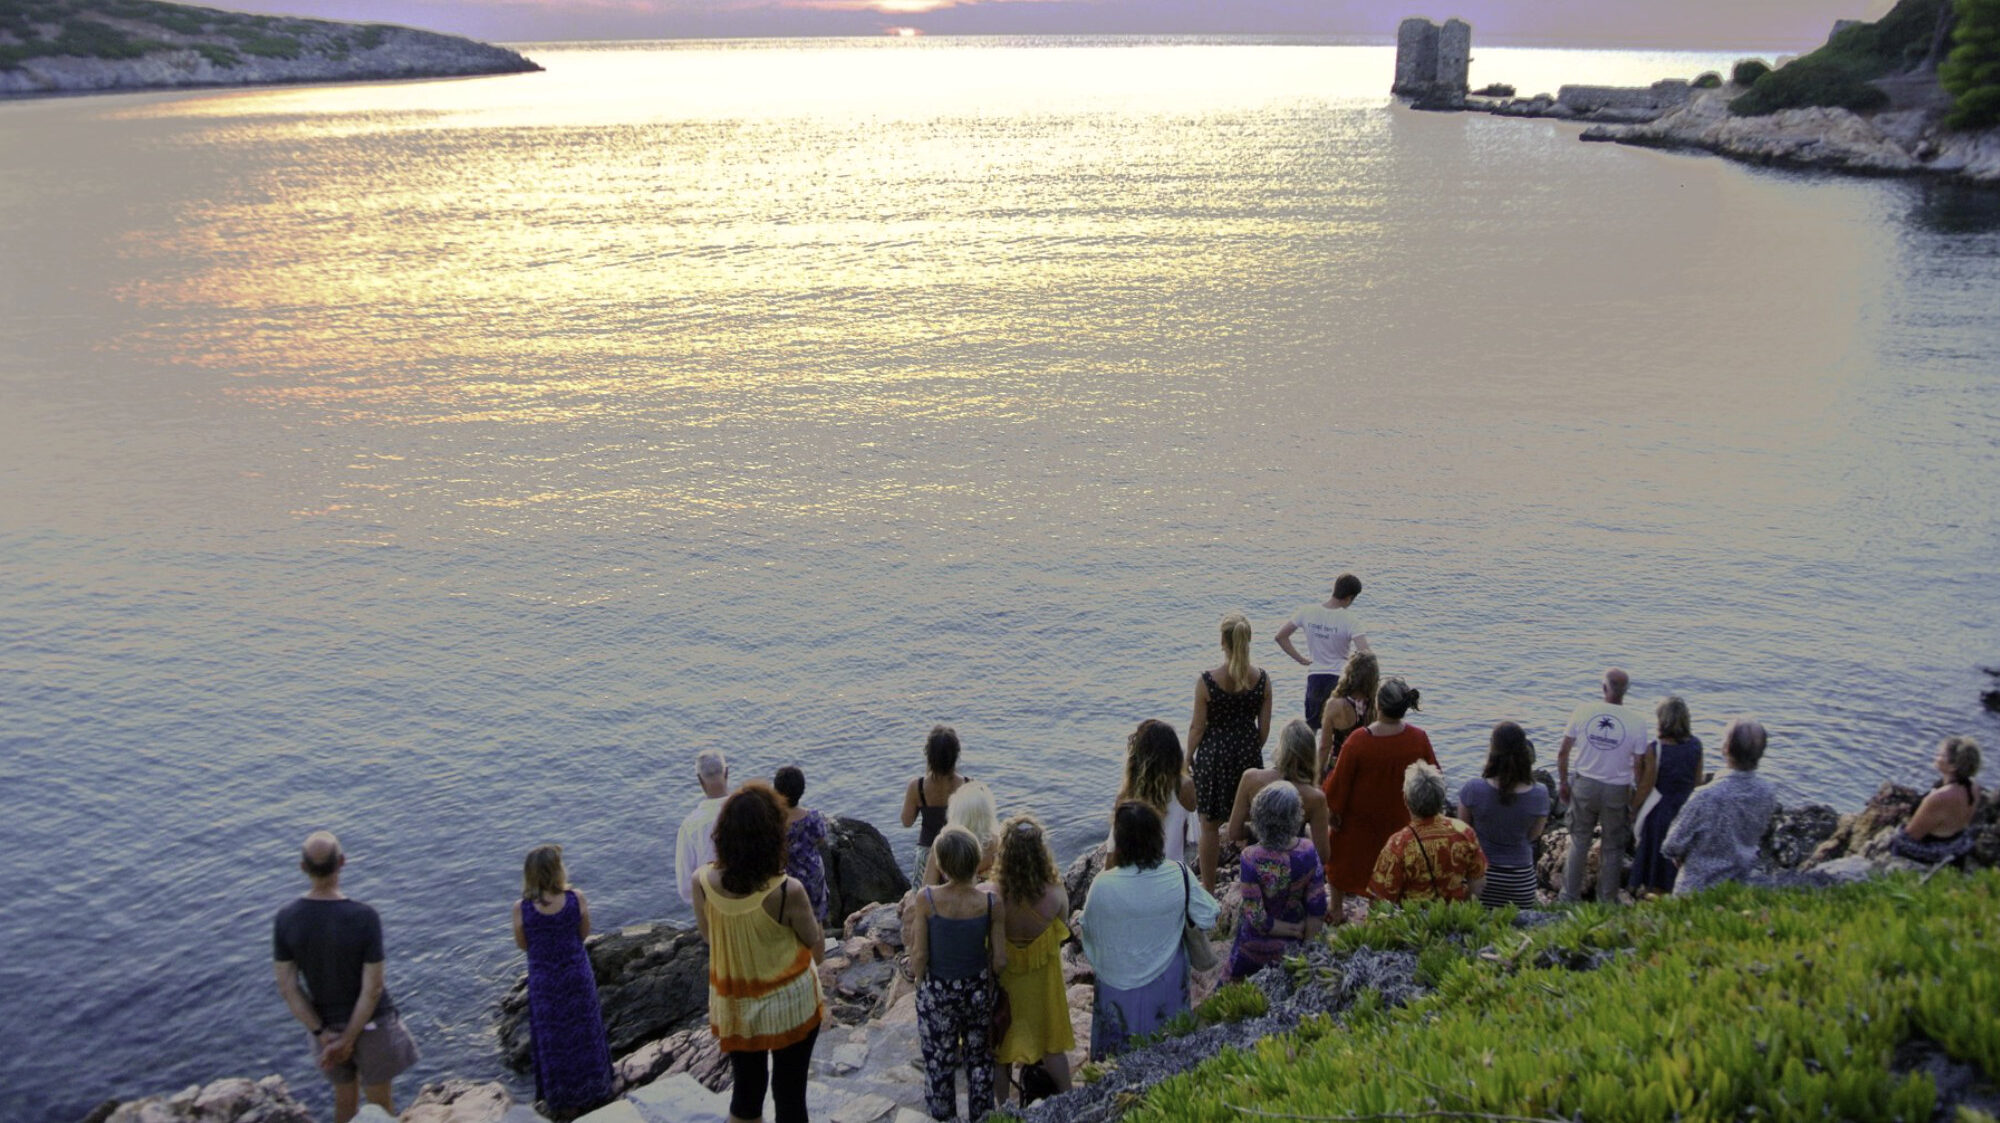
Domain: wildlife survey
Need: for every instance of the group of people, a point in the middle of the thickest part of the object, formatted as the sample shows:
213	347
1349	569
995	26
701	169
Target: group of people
1354	805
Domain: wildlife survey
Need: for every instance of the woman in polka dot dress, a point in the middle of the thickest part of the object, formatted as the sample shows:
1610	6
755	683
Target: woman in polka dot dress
1232	719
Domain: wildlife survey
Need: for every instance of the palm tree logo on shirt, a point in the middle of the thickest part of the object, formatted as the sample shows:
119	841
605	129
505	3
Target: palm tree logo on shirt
1606	732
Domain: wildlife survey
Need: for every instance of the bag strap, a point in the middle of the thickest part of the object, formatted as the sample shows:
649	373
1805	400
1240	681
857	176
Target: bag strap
1187	898
784	893
1421	849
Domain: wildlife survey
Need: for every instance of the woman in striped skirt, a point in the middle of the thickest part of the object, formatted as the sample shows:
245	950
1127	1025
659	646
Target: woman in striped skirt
1508	810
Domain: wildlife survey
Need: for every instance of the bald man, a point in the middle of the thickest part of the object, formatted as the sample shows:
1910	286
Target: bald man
1611	737
336	946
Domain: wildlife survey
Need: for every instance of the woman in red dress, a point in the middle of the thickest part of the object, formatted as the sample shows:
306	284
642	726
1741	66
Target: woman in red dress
1364	792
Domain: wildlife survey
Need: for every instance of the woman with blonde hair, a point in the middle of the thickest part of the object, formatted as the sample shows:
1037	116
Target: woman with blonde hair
1671	766
1156	777
565	1025
1347	708
1294	766
971	807
1226	735
1032	890
1938	829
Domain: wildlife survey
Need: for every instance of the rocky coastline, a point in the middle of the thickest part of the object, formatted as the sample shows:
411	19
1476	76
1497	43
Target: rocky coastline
187	48
652	979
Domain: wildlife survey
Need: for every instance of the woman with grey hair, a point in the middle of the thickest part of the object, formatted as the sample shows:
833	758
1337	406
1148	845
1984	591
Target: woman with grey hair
1434	858
1284	884
1715	837
1296	749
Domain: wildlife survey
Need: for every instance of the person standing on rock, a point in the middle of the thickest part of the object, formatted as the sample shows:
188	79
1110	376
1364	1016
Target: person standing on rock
694	847
927	797
1611	737
566	1025
334	945
1332	630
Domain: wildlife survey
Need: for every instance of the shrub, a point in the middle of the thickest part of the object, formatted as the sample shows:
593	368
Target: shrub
1812	80
1972	73
370	37
1747	72
270	46
87	38
1736	1003
219	55
1233	1003
1708	81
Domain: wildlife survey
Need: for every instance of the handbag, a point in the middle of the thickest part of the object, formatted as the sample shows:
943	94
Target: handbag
1200	953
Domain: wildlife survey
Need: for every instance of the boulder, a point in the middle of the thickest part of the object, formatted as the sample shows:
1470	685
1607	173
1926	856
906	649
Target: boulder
694	1052
1795	832
233	1100
652	979
1889	807
460	1101
1083	871
861	869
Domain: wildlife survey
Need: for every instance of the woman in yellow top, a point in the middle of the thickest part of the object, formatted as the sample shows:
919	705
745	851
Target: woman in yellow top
1032	890
763	940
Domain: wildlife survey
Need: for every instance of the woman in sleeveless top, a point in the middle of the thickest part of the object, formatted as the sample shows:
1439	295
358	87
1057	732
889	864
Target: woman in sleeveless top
1364	792
929	795
805	836
1937	830
1036	904
764	1003
1350	707
1293	766
1672	767
1156	777
1232	720
565	1025
1508	811
960	947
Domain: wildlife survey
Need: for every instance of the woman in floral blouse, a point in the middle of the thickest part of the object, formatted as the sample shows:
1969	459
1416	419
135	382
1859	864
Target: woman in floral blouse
1434	858
1284	885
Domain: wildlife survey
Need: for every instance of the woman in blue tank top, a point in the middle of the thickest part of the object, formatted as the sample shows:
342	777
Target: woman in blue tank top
957	953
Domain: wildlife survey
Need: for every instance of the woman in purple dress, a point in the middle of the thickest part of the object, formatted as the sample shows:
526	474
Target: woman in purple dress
1284	884
1672	767
565	1026
805	834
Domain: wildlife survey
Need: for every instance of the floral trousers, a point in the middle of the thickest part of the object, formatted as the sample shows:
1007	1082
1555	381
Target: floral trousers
954	1021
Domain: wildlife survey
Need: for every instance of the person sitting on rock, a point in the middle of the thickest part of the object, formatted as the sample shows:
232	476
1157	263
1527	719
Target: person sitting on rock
1436	857
928	796
1716	836
1938	830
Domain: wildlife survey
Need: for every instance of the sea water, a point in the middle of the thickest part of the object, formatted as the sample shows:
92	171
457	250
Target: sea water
444	464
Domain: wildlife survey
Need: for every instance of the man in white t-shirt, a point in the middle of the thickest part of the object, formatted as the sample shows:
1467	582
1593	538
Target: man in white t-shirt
1610	738
694	847
1332	630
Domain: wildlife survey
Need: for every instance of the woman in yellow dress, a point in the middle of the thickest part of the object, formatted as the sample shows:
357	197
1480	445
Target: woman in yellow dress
1036	904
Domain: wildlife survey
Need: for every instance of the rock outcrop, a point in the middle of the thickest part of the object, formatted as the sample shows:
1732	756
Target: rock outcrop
189	47
652	979
861	869
236	1100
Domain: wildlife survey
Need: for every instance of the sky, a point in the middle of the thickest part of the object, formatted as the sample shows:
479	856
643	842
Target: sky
1720	24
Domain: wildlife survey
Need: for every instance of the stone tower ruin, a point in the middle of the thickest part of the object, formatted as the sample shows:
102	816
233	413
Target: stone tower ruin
1432	62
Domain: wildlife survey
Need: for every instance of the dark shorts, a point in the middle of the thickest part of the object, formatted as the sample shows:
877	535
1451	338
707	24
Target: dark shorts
1318	689
380	1054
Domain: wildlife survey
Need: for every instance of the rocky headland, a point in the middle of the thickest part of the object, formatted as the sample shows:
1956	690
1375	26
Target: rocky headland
1895	123
95	46
867	1067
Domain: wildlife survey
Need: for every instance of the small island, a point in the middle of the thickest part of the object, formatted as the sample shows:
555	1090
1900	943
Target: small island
92	46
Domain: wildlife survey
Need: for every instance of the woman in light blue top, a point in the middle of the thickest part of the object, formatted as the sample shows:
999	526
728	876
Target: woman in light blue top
1131	930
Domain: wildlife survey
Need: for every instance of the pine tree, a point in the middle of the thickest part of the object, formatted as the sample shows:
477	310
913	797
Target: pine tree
1971	74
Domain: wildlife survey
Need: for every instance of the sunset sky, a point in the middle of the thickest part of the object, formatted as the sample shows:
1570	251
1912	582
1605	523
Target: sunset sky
1583	23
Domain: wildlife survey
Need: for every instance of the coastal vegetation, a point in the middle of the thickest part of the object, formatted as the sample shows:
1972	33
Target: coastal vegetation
1971	74
1738	1003
130	29
1841	73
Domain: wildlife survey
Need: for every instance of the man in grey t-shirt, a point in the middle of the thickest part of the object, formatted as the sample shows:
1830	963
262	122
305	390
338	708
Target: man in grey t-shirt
334	945
1611	737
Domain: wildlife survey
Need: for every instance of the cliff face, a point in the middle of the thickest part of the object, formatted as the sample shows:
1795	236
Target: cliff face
78	46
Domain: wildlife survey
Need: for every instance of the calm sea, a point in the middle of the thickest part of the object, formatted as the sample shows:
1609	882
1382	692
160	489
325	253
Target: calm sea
446	463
